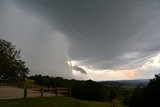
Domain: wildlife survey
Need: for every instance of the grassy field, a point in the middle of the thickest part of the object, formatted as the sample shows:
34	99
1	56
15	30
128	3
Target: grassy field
52	102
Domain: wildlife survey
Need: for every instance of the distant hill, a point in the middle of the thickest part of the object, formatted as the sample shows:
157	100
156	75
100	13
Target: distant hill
126	83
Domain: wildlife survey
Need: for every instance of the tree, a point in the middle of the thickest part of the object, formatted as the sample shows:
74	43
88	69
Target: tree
148	96
154	83
12	68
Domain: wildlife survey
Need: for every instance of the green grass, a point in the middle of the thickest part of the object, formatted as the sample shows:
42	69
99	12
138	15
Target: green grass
101	104
52	102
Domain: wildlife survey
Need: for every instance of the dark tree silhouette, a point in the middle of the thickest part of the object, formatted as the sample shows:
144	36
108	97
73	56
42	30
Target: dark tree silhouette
12	68
154	83
148	96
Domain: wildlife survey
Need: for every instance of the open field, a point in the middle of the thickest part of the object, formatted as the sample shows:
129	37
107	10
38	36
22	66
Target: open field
52	102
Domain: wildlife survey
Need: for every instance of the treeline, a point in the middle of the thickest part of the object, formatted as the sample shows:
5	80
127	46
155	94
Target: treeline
83	90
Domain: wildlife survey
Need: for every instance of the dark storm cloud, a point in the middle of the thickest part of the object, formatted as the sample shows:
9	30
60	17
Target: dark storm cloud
106	34
77	68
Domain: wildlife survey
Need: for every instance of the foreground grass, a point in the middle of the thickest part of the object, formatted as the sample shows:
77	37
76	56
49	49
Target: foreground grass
102	104
52	102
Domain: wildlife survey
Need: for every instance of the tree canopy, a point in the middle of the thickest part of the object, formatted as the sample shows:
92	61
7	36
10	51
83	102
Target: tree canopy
148	96
12	68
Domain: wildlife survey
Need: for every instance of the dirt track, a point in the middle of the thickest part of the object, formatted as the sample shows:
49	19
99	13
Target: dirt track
9	92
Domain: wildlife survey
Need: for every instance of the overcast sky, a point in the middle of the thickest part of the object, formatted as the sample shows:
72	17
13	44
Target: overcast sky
85	39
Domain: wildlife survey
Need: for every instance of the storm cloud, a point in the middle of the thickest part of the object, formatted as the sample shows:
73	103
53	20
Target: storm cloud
77	68
106	35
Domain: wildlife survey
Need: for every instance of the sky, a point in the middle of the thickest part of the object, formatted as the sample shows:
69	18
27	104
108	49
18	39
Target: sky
85	39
